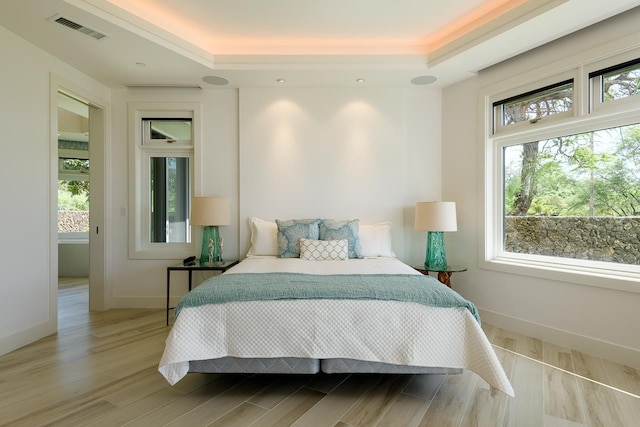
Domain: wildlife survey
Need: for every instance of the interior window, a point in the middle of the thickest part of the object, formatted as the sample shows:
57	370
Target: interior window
163	147
618	82
167	130
535	105
169	190
73	199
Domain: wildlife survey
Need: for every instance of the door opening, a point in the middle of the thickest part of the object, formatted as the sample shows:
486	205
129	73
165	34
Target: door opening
81	161
74	187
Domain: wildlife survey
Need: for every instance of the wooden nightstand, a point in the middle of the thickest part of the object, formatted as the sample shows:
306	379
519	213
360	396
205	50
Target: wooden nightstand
224	266
444	276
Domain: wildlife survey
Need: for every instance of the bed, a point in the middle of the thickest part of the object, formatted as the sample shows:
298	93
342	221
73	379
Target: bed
272	314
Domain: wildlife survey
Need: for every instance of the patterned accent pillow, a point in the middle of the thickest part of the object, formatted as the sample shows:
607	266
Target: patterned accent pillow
330	229
291	231
324	250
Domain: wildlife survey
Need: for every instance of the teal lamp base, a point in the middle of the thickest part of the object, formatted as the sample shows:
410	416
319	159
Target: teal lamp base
211	250
435	259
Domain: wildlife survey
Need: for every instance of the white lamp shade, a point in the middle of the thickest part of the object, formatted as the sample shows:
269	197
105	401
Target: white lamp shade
436	216
210	211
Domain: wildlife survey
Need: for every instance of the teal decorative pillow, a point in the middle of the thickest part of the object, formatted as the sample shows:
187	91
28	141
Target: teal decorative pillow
330	229
324	250
291	231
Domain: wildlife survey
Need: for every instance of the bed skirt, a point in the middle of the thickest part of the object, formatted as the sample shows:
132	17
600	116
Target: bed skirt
296	365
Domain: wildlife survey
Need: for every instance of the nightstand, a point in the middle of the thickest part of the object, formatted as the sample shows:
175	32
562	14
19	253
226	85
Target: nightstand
444	276
222	267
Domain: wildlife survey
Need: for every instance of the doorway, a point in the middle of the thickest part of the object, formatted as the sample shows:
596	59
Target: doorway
80	156
74	188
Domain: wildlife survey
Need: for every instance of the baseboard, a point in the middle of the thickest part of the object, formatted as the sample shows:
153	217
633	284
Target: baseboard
24	337
613	352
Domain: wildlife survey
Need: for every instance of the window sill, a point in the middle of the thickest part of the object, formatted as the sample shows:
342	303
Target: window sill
73	241
597	274
178	251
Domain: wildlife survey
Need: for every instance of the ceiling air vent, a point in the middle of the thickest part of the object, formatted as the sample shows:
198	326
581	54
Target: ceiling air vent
77	27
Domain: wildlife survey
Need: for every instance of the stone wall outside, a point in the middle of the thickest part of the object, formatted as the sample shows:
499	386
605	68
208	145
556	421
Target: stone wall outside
610	239
73	221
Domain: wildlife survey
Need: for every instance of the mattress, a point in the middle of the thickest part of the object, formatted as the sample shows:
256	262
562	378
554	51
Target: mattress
340	334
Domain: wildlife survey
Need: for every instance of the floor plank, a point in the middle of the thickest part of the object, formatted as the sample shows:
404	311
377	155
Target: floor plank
561	396
375	403
449	404
527	408
290	409
329	410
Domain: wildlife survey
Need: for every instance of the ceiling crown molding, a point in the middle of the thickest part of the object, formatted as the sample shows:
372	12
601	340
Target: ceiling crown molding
105	10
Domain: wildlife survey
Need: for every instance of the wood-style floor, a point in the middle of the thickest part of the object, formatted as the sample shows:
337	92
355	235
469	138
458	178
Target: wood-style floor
101	370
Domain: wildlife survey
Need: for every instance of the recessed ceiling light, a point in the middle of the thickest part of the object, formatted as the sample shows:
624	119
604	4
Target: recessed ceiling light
141	64
360	80
215	80
423	80
281	81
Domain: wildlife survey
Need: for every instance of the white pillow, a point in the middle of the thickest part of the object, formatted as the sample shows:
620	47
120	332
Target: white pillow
376	240
264	238
324	250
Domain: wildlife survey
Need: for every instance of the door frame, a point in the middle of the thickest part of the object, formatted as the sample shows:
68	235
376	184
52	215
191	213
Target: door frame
99	222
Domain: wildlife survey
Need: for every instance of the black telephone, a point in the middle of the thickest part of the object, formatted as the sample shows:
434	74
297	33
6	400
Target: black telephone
189	261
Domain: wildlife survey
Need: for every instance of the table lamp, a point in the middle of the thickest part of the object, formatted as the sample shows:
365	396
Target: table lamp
435	218
210	212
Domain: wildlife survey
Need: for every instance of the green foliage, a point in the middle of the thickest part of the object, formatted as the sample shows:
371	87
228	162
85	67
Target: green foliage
77	187
554	191
591	174
71	198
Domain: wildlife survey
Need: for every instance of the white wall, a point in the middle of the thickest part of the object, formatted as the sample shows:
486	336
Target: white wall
597	320
339	153
27	248
73	259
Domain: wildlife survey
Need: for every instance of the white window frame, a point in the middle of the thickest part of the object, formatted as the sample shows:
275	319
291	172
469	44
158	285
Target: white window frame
140	246
596	105
584	118
500	129
72	175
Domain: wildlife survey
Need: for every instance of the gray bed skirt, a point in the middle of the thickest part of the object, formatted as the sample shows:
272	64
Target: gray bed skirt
294	365
235	365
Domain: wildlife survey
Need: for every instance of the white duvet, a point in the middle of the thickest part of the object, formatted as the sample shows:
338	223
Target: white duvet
379	331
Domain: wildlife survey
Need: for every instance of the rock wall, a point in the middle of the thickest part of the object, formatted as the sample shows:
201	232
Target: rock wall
610	239
73	221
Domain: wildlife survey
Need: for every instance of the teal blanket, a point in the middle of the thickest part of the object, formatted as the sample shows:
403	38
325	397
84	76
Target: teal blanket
420	289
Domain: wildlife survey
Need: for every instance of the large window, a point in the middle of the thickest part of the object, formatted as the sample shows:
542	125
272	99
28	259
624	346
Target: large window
574	196
564	194
163	141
